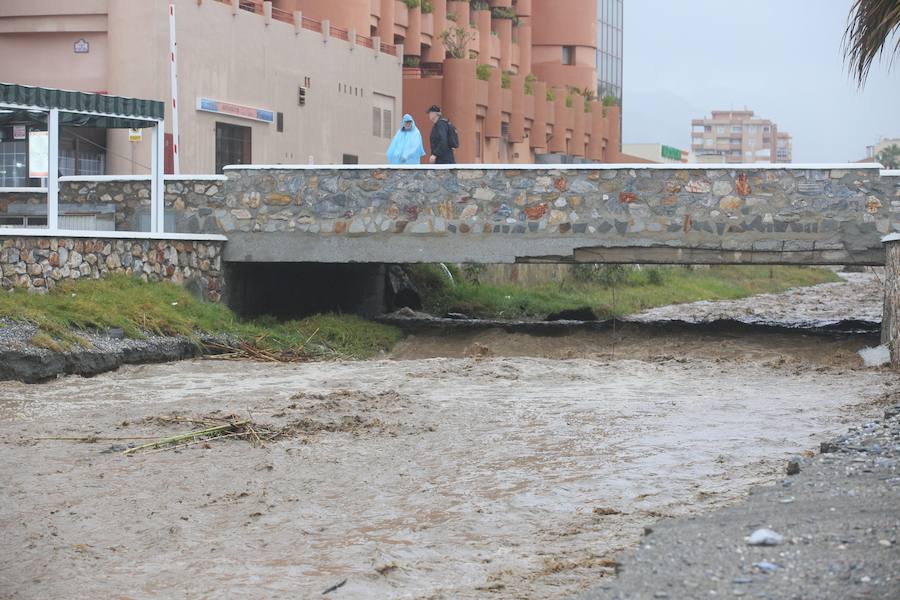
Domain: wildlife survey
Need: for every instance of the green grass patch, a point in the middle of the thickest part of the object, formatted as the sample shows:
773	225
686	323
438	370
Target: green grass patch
612	291
139	308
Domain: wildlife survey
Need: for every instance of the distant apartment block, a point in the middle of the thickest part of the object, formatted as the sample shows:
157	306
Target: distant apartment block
737	136
875	149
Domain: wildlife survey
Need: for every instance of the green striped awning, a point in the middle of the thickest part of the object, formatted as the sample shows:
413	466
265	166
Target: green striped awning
79	106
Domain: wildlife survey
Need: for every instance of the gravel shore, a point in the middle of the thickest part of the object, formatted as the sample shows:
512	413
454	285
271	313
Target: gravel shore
838	520
21	360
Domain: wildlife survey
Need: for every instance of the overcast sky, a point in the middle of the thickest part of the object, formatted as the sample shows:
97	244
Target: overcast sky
780	58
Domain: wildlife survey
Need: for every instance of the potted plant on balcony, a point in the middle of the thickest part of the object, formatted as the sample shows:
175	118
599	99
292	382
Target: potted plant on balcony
456	40
412	67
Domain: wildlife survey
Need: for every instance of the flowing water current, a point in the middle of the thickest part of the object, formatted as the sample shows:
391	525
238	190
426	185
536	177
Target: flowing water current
479	465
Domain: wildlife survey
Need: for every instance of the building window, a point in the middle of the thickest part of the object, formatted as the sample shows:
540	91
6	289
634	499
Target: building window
376	122
232	146
279	122
82	151
382	115
735	129
23	221
388	128
350	159
720	130
568	55
91	163
13	165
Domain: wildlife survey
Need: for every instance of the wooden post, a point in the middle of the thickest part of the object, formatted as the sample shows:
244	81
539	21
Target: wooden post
890	323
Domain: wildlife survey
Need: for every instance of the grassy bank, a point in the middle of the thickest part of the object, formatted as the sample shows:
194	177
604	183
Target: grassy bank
162	308
608	290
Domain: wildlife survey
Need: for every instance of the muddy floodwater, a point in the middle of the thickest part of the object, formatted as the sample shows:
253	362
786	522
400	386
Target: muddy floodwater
508	466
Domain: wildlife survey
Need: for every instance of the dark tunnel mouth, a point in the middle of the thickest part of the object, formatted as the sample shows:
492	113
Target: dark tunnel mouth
293	290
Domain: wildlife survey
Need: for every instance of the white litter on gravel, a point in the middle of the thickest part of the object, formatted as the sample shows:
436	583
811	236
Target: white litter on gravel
765	537
875	357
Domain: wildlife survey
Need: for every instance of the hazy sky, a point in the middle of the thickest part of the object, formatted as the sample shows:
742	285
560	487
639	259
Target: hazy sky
780	58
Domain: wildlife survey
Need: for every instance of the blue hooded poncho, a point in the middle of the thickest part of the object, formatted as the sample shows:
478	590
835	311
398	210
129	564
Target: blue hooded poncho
406	148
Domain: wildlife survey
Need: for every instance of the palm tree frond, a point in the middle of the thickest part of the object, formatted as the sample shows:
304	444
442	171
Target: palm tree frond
870	25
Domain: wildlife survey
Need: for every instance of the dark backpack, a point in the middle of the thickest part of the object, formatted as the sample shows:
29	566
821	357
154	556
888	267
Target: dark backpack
452	135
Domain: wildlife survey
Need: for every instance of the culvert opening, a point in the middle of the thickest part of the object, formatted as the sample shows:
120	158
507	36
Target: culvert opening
296	290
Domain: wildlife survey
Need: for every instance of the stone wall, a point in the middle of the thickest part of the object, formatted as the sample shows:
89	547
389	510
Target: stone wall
804	216
204	196
128	198
39	263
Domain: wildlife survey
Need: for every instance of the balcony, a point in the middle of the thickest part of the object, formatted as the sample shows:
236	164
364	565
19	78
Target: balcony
256	7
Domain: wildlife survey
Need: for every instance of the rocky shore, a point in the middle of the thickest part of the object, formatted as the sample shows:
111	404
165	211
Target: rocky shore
21	360
836	522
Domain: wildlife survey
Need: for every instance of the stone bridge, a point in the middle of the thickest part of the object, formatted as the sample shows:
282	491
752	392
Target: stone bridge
776	214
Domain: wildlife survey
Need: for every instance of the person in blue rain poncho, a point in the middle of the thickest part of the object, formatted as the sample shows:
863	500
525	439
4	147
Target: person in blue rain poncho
406	148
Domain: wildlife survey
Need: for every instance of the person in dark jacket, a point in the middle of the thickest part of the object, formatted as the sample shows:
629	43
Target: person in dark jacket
441	152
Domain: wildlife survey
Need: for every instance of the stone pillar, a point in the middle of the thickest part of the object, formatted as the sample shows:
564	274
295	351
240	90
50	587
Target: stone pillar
436	51
459	104
524	34
386	21
538	139
561	121
412	44
598	132
517	117
483	23
460	9
577	147
890	320
492	122
614	146
504	32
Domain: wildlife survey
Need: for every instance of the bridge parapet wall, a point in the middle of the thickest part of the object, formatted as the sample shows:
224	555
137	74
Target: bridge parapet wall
807	215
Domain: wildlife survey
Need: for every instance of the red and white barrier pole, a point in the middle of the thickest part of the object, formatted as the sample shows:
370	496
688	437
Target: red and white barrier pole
173	69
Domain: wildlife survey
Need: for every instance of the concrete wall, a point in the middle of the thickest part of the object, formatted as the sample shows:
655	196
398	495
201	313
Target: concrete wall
241	58
39	263
233	56
37	40
659	214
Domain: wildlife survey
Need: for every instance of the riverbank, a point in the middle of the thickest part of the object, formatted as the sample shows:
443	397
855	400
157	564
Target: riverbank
92	326
605	291
23	360
837	523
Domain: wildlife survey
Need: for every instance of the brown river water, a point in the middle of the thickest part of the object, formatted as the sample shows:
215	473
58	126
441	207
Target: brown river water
427	474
